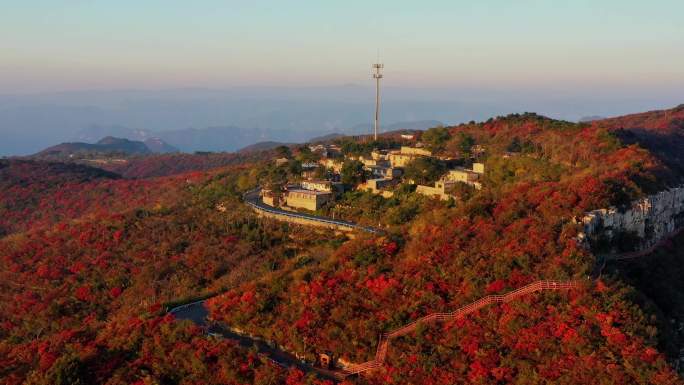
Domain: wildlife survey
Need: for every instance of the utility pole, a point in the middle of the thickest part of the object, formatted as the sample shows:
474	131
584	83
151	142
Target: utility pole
377	75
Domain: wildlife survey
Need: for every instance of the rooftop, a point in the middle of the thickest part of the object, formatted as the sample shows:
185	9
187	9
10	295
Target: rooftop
309	192
462	169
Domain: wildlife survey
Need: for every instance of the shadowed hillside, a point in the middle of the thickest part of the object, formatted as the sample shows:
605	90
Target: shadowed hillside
661	132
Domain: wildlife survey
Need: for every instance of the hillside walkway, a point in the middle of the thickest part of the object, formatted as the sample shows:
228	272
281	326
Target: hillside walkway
603	259
197	312
385	339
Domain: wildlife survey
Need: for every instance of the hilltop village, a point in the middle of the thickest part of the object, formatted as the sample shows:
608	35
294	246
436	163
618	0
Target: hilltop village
329	170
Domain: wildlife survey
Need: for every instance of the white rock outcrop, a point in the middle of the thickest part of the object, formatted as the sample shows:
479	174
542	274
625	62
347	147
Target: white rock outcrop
651	218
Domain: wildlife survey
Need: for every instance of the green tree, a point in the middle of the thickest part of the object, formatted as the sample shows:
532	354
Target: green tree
350	147
352	172
436	137
67	370
515	145
246	180
283	152
294	167
424	170
305	155
465	143
402	213
275	178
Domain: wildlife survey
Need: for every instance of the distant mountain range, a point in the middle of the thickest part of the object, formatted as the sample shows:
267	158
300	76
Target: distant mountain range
587	119
215	139
269	145
231	138
107	146
159	146
262	146
410	125
31	122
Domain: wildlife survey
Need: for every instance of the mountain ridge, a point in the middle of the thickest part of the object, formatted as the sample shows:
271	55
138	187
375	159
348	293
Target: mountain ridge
233	138
108	145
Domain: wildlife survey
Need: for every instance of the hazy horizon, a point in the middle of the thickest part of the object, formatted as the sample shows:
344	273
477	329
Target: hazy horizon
298	68
31	122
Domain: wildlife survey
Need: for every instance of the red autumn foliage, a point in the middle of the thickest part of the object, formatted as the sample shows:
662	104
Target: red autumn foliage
173	164
496	286
83	293
115	292
505	237
92	260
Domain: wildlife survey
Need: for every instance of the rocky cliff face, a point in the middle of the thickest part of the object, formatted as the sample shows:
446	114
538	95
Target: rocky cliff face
648	221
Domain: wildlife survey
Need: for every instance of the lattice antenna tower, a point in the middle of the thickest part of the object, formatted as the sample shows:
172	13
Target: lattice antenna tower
377	75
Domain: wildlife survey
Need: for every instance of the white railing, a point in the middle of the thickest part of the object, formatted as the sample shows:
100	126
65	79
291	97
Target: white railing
383	342
249	199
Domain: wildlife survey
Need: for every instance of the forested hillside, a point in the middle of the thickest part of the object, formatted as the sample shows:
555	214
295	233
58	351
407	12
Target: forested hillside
171	164
517	230
661	132
84	288
36	194
91	259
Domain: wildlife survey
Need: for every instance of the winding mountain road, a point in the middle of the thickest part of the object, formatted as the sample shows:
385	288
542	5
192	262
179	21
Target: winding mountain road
198	313
252	198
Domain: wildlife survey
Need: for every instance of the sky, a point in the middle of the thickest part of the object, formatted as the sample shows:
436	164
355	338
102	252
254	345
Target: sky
68	45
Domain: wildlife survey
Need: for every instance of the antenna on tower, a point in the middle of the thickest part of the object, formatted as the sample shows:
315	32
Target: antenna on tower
377	75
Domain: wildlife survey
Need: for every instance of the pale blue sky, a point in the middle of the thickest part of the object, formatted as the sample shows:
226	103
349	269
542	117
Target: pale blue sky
97	44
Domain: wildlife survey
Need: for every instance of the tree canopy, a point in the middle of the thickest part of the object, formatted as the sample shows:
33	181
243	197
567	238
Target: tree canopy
424	170
435	138
90	260
352	172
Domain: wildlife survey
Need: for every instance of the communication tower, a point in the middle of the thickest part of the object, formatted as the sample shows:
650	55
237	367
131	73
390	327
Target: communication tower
377	75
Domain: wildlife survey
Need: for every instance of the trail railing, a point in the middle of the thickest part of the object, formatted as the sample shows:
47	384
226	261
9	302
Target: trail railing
384	341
